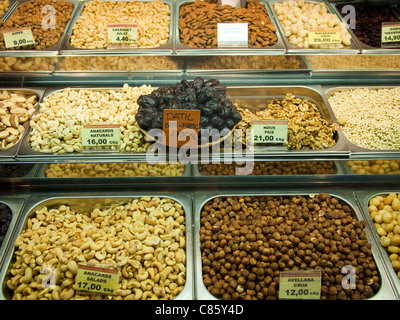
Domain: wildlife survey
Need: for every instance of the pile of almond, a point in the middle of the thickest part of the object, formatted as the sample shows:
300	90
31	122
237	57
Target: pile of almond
16	109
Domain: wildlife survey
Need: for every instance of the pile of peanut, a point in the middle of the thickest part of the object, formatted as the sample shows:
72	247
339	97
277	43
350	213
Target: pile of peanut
385	213
143	238
152	18
198	23
306	127
56	128
30	14
136	169
16	109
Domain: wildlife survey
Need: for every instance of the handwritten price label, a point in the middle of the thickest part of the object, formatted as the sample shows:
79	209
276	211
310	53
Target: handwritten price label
316	37
18	37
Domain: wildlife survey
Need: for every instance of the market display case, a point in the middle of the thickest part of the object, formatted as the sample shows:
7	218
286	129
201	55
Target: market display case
282	81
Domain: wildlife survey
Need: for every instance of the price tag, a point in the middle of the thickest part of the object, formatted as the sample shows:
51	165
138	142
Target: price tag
122	33
97	279
300	285
269	132
181	127
234	3
235	34
18	37
329	36
391	34
99	135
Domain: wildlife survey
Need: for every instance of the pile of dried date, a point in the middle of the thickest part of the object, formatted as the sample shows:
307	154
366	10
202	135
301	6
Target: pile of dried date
216	109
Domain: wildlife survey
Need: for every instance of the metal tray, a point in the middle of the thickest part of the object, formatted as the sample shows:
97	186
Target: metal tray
363	198
251	95
51	51
167	48
43	167
256	95
26	63
366	49
95	69
356	151
91	201
385	292
291	48
194	70
30	172
12	152
26	152
336	166
16	205
180	48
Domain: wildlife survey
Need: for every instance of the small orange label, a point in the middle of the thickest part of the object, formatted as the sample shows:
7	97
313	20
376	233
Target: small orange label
181	127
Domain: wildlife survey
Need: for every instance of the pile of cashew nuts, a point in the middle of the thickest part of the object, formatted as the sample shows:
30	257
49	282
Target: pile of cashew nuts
144	238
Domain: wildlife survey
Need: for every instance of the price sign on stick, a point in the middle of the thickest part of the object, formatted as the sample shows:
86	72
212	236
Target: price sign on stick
181	127
18	37
235	34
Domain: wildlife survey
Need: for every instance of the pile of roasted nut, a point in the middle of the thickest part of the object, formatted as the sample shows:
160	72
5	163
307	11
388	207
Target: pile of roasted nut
198	23
246	241
144	238
16	109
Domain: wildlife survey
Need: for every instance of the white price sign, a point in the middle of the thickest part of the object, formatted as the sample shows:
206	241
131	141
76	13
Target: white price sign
269	131
122	33
18	37
100	135
235	34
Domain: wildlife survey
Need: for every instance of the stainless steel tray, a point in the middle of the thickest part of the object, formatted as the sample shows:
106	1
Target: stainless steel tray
256	95
16	205
385	292
167	48
291	48
180	48
26	152
31	170
193	68
125	65
365	49
91	201
336	166
252	95
363	198
51	51
43	167
356	151
12	152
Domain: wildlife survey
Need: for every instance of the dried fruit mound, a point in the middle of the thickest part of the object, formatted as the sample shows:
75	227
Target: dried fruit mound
217	110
